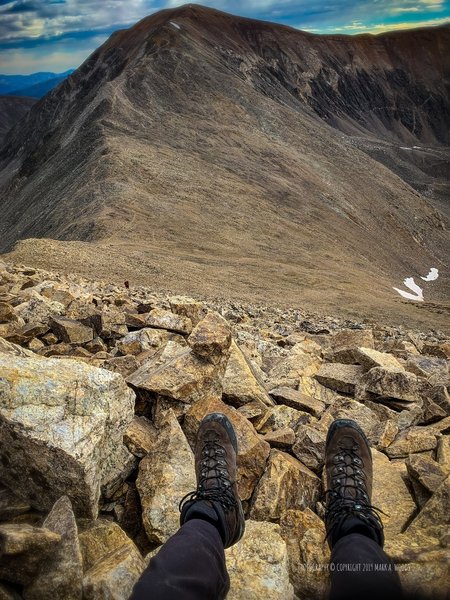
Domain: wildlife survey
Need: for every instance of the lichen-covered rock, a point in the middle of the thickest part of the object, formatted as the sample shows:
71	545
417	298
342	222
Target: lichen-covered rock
258	565
400	385
61	424
180	375
339	377
286	483
166	474
295	399
281	416
188	307
309	446
143	340
111	561
252	449
23	548
283	439
288	371
165	319
140	436
391	494
61	576
369	358
434	518
71	331
414	439
308	552
426	471
211	338
241	383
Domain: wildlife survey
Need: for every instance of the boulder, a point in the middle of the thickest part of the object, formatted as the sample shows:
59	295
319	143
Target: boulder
283	439
61	576
399	385
434	518
7	313
165	319
432	368
258	566
414	439
286	483
112	563
187	307
351	338
146	339
443	453
123	365
166	474
391	494
140	436
241	383
71	331
426	471
252	449
179	374
441	350
62	424
280	417
211	338
23	548
288	371
308	552
39	309
295	399
339	377
346	408
309	447
11	505
369	358
311	387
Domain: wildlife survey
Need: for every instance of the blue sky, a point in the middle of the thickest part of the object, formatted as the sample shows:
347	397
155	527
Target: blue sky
55	35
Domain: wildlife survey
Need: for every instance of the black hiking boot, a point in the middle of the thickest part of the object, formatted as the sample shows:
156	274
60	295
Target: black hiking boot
348	470
216	499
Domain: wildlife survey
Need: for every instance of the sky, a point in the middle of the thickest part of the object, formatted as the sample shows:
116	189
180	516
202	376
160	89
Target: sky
56	35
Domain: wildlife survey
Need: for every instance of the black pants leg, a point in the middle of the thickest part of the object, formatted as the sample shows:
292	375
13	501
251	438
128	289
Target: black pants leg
189	566
361	570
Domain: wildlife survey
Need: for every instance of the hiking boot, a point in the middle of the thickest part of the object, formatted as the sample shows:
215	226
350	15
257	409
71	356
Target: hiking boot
348	470
216	498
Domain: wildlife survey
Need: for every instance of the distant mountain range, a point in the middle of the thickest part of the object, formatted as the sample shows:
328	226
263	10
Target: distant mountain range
212	154
35	85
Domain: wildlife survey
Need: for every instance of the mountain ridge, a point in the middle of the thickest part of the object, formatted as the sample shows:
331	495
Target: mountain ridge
190	148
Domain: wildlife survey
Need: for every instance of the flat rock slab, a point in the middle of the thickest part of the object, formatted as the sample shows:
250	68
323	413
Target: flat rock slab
71	331
211	338
295	399
339	377
258	565
166	474
391	494
62	424
400	385
165	319
241	383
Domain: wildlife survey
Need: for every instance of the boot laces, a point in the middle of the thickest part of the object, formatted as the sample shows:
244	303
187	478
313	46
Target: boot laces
346	499
214	483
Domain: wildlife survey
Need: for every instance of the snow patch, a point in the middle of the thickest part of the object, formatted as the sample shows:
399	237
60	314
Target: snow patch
432	275
175	24
417	294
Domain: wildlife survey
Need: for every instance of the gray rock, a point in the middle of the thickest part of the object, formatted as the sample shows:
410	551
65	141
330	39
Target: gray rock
62	424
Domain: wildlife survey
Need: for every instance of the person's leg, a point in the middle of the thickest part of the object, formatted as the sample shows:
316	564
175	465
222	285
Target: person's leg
359	567
191	564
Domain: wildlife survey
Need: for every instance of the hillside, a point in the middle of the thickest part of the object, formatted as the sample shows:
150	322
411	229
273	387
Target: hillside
12	109
218	155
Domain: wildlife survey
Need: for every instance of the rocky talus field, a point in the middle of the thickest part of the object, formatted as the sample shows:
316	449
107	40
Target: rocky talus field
102	389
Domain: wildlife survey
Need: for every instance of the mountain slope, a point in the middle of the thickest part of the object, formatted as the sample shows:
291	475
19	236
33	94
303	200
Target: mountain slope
196	149
12	109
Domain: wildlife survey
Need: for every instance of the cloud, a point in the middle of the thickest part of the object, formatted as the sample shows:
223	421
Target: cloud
357	27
